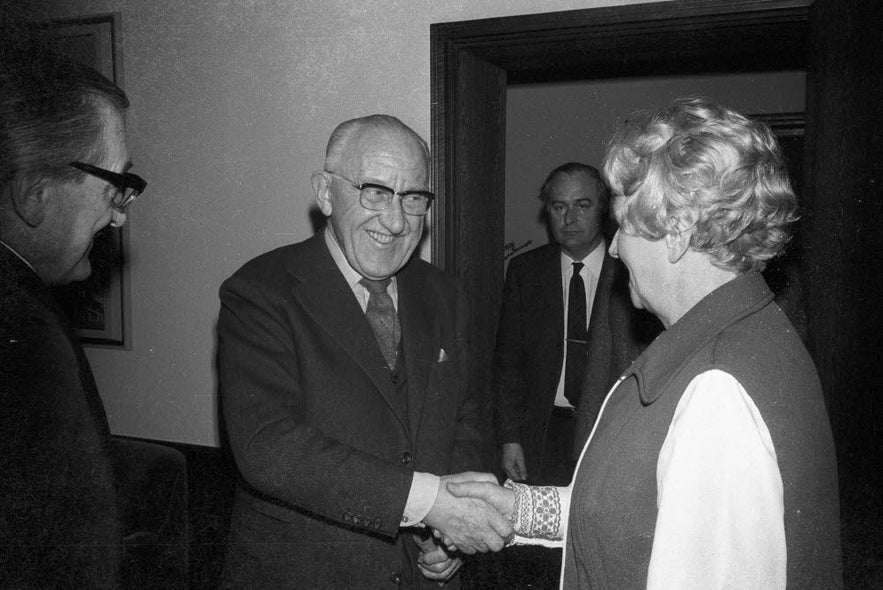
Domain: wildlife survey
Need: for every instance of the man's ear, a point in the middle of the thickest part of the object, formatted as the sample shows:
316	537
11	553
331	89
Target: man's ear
678	243
30	194
322	189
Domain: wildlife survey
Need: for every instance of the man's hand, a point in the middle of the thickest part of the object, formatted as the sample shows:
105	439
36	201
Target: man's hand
470	524
502	499
434	562
513	461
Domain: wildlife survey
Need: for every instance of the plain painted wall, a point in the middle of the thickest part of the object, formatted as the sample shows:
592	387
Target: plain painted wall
232	104
548	125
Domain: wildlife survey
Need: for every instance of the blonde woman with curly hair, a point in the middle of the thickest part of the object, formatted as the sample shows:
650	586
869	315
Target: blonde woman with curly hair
712	463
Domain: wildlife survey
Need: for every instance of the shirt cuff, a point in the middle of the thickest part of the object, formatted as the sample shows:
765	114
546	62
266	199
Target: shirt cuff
421	498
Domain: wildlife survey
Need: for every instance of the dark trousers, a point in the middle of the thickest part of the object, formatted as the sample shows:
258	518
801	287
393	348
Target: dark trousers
152	487
558	460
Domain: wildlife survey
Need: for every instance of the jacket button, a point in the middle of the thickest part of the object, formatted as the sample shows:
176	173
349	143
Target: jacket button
407	458
396	578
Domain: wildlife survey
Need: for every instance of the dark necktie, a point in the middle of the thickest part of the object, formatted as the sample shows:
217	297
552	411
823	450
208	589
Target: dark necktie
577	348
383	318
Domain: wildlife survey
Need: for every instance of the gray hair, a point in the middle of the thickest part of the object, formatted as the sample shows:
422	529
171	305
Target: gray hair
51	109
698	165
345	131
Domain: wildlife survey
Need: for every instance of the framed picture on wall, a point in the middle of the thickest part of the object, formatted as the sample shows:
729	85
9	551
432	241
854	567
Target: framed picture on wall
98	306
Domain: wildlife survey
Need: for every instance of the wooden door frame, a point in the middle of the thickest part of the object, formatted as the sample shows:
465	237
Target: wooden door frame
679	37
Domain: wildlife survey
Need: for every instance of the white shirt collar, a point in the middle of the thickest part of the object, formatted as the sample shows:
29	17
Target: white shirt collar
352	276
593	260
349	273
20	257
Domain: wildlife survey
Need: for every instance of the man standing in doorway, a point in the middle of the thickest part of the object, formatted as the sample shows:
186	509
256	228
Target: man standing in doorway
566	333
567	330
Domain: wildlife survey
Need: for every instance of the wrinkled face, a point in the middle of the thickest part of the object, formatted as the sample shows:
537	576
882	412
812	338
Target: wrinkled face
376	243
79	210
647	263
575	214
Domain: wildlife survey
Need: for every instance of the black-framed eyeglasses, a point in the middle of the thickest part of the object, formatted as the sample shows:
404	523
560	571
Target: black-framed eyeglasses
128	185
377	197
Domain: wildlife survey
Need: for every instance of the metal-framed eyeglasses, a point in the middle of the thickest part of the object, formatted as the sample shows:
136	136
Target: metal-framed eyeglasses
128	185
377	197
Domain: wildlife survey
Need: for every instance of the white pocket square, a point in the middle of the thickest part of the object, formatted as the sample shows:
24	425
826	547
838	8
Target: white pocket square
442	355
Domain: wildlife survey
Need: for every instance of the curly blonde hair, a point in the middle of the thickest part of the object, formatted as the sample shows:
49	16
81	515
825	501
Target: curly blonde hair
700	166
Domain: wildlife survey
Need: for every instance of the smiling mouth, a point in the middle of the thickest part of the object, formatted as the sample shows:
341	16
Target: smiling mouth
381	238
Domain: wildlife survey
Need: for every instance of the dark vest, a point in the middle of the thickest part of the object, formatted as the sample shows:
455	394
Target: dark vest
399	377
737	329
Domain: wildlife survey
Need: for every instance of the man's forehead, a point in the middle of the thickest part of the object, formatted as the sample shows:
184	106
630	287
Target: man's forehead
115	136
578	195
387	160
381	157
573	187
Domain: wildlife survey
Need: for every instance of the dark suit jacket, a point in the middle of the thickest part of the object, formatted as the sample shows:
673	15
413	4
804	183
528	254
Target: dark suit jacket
530	347
59	526
326	447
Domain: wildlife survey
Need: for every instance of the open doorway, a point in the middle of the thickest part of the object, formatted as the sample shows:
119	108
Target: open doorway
553	123
837	43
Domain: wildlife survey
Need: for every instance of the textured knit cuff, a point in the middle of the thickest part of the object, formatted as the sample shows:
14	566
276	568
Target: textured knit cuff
537	513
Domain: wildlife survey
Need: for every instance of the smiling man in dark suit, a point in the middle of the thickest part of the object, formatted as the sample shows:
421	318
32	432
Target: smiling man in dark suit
342	364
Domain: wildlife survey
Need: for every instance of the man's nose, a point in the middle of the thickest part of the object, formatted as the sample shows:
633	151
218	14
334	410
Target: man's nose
393	218
117	218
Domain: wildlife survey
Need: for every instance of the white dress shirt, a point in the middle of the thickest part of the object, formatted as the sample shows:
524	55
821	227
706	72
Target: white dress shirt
20	257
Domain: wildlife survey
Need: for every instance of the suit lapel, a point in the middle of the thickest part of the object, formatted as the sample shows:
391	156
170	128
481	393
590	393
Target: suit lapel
416	312
550	283
324	294
598	368
599	323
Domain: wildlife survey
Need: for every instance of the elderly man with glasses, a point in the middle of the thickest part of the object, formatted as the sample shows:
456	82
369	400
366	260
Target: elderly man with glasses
81	509
342	371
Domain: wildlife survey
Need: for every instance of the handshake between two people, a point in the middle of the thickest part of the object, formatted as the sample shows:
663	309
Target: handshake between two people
471	514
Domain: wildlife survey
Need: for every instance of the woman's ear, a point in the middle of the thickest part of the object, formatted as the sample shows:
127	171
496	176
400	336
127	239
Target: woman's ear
677	244
30	193
322	189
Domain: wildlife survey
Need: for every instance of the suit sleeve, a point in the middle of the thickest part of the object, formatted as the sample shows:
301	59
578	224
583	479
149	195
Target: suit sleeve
277	451
509	386
472	440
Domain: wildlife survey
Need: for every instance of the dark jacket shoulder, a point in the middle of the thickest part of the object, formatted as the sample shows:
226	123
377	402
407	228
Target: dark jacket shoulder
532	258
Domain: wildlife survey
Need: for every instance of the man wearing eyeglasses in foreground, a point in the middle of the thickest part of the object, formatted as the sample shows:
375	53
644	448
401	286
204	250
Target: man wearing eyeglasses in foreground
62	160
342	372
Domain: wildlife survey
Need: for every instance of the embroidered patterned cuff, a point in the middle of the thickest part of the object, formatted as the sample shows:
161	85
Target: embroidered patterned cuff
537	513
